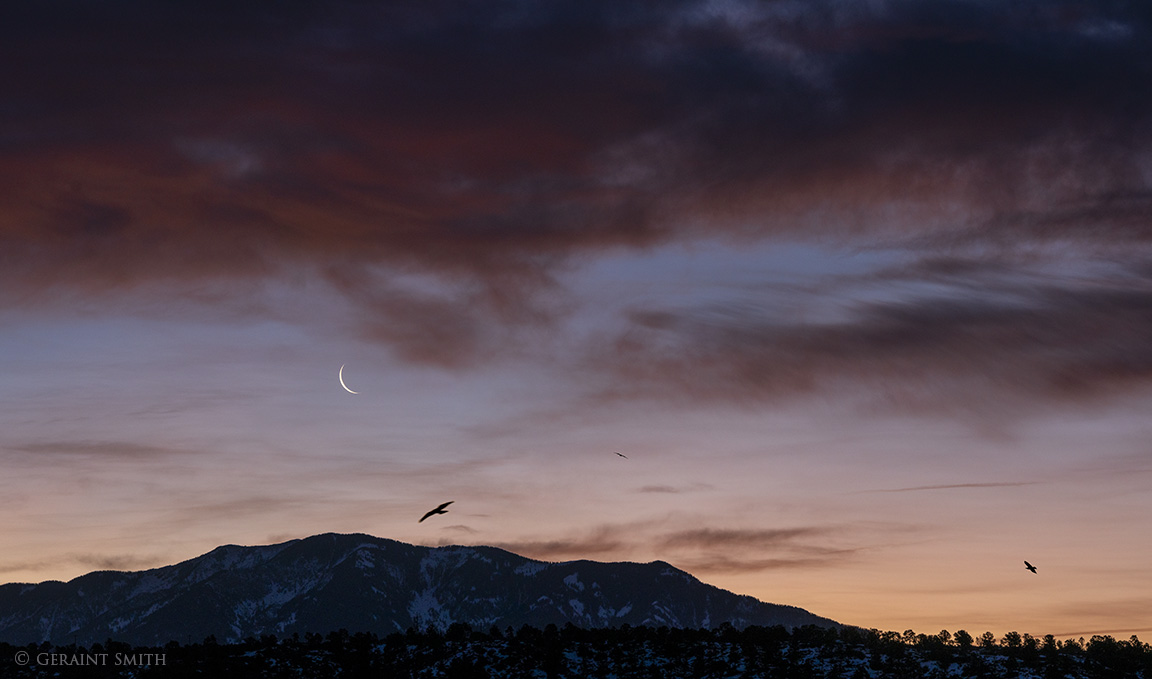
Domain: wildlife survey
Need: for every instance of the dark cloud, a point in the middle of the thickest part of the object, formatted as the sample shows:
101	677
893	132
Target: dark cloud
743	550
553	550
1051	343
602	540
277	538
709	538
720	563
177	143
1116	632
1099	616
701	549
98	450
104	562
116	562
912	489
689	488
456	326
719	550
461	529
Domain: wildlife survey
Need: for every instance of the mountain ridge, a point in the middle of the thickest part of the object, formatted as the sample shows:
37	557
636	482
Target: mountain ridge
360	582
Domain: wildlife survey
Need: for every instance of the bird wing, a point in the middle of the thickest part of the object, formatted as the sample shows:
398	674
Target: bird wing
439	510
1028	565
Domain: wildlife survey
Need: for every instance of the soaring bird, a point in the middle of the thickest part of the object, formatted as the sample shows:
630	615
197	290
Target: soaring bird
438	510
622	455
1029	566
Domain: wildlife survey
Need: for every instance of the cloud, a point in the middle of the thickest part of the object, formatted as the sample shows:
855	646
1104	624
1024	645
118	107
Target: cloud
660	489
688	488
710	550
1115	632
460	528
726	550
1099	616
452	327
1052	343
488	150
602	540
710	538
719	563
115	562
191	510
951	486
277	538
98	450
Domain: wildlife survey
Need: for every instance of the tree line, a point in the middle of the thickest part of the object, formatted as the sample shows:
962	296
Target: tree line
461	652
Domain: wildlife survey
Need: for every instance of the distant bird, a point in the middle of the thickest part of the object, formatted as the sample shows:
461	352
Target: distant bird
1029	566
438	510
621	455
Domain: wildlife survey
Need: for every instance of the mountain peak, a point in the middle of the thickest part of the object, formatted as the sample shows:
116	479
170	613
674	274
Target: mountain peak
365	583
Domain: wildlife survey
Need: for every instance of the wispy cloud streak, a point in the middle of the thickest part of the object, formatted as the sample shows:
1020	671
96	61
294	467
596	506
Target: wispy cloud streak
912	489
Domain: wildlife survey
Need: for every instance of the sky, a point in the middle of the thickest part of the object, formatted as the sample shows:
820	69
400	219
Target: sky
862	290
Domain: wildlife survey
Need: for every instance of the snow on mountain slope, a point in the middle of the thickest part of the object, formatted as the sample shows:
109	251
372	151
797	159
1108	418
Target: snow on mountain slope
363	583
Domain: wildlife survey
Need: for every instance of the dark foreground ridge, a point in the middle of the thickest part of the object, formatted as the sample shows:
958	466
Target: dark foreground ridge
622	653
367	584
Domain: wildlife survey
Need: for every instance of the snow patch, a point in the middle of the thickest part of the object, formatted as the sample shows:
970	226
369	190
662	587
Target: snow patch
150	583
278	596
426	610
284	624
364	559
530	568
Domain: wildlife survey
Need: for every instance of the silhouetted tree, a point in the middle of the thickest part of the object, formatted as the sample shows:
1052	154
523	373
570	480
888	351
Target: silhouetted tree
963	640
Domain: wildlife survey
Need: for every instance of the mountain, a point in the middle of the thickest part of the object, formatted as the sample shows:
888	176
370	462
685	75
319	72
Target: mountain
363	583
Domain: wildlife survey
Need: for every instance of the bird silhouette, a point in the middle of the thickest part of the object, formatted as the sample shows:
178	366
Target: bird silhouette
1029	566
622	455
438	510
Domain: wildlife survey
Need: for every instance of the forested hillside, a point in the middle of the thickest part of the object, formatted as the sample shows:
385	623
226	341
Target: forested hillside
619	653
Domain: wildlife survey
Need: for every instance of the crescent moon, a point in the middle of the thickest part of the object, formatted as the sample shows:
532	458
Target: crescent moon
342	381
